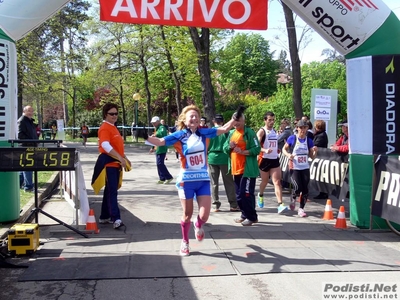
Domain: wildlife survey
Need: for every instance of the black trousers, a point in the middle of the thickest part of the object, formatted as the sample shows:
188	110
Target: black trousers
245	197
300	180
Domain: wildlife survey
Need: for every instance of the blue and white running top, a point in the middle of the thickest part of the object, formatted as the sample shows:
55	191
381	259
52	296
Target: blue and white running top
192	148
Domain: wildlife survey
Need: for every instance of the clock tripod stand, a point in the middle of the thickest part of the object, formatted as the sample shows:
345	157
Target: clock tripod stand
36	210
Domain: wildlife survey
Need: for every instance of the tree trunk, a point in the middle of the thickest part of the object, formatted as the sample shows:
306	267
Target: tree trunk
121	92
146	76
202	46
178	93
294	57
170	96
64	74
74	96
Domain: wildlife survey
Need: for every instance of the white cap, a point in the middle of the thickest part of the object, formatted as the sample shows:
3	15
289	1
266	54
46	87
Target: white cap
155	119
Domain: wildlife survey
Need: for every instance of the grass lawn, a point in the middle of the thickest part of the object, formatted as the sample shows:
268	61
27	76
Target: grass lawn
43	178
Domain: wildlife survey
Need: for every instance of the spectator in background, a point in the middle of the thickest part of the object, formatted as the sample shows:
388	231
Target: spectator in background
320	136
27	131
54	131
243	147
321	141
162	121
310	133
112	159
203	123
161	151
295	125
286	132
342	144
38	130
218	164
172	130
84	134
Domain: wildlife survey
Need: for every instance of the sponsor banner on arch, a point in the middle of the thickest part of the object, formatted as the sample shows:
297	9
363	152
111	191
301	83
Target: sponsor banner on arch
344	24
386	194
8	90
385	104
234	14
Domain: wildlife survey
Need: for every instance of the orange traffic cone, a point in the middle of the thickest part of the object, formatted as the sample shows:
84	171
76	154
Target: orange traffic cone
341	219
91	224
328	214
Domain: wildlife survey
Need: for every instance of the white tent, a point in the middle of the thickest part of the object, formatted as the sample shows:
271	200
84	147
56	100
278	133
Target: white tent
19	17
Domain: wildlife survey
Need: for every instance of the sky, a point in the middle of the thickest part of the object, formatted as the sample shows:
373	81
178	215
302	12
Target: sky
277	27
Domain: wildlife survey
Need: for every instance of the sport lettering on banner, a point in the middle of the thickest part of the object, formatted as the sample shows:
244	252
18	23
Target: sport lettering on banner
346	25
386	203
233	14
8	90
385	96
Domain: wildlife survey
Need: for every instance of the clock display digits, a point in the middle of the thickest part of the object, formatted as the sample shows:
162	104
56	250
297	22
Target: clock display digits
64	159
21	160
45	160
37	159
29	159
53	159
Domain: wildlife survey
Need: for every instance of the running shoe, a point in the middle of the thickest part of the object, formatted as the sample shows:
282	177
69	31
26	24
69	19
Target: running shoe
260	201
281	208
216	205
238	220
184	251
247	222
198	232
160	182
105	221
168	181
117	224
301	213
292	204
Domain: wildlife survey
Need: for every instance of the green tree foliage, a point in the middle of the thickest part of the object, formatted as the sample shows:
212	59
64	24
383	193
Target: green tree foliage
57	62
48	59
331	75
246	64
320	75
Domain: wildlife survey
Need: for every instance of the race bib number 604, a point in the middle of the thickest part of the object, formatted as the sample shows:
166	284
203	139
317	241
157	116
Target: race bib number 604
196	160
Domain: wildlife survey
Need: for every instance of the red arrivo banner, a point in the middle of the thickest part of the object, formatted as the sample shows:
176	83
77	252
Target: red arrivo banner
234	14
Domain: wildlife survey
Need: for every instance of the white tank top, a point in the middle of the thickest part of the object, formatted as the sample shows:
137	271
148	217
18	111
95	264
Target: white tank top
270	142
300	152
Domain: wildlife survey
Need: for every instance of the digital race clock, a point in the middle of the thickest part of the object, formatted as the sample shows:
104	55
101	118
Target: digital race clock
37	159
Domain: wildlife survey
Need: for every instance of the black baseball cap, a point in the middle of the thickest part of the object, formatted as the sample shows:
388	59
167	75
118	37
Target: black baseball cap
219	117
302	123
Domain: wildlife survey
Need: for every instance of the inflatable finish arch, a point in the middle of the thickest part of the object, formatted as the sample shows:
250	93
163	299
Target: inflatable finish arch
367	32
